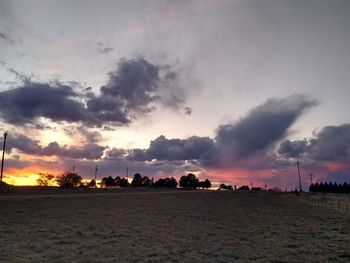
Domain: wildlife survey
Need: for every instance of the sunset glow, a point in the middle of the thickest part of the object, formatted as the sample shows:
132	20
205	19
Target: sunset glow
234	91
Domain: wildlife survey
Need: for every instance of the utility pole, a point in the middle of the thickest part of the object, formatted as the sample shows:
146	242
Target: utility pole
96	173
3	156
310	178
127	173
298	164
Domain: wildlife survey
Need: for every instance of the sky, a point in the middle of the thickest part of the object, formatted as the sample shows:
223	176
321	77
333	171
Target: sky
231	90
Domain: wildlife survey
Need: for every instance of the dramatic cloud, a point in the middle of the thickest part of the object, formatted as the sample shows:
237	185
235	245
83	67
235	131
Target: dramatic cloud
116	154
24	144
290	149
233	153
134	88
332	143
89	151
163	149
136	84
262	127
31	101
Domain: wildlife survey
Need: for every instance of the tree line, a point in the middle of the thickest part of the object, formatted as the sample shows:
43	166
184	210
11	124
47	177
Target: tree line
73	180
330	188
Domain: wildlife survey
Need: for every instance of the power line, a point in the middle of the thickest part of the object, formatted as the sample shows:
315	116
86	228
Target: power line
3	155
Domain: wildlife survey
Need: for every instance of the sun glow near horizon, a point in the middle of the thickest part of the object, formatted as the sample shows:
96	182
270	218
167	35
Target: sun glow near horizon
29	179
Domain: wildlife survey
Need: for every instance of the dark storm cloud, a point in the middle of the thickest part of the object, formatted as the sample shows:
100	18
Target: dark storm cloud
105	109
163	149
89	151
181	149
115	154
332	143
24	144
294	149
262	127
135	87
33	100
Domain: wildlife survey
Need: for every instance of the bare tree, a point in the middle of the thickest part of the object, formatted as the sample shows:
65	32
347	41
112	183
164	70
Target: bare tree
45	179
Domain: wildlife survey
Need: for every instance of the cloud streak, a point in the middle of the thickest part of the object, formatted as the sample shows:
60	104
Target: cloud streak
7	38
26	145
263	127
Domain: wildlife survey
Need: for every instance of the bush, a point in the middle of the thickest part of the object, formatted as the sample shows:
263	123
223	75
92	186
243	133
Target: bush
69	180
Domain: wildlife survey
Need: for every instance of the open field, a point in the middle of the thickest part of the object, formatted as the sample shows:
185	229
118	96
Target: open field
174	226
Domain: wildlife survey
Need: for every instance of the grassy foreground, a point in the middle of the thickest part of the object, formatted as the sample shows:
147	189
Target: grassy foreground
176	226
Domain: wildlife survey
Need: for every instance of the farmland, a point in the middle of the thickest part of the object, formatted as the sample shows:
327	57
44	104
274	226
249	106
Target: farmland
170	226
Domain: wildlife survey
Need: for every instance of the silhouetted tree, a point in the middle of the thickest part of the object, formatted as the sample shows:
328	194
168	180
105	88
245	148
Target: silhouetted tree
244	188
200	184
110	182
311	188
123	182
207	184
225	187
170	182
167	182
330	188
183	181
91	184
117	181
325	187
103	182
159	183
137	180
69	180
189	181
145	181
45	179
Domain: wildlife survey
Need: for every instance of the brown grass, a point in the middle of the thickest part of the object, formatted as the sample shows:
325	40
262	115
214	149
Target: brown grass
337	202
176	226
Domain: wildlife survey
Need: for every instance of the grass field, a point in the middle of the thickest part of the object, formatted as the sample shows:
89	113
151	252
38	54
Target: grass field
337	202
175	226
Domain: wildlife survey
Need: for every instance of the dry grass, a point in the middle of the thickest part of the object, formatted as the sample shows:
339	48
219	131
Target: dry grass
337	202
176	226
